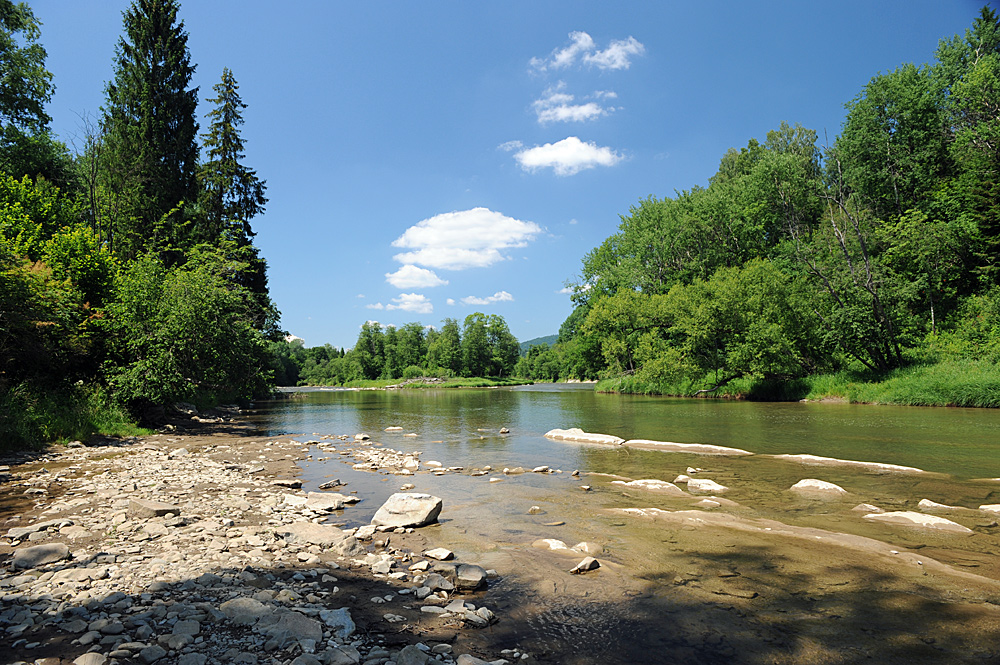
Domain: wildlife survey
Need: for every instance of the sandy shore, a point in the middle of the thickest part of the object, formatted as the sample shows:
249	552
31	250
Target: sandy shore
216	577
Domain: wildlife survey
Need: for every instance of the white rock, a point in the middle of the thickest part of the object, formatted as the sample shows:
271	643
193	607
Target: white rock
653	485
577	434
408	510
919	520
705	486
691	448
439	553
817	487
990	507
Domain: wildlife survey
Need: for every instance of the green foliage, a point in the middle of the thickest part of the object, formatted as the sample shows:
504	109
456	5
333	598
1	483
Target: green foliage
183	334
150	133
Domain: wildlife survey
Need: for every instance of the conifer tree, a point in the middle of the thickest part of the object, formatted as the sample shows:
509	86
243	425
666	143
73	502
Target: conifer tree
232	194
150	130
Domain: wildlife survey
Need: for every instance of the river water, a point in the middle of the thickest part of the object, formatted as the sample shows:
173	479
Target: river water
492	523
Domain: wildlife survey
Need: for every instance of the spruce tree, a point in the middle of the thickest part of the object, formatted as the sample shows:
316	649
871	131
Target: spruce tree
232	194
150	131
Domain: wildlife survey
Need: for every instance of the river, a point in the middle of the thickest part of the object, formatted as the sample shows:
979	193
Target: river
657	564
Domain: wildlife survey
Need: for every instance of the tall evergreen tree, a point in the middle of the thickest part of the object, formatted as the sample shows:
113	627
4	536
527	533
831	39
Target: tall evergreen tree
150	130
232	193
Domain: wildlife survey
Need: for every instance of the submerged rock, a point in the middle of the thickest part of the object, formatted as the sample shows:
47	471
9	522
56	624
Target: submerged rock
691	448
705	486
577	434
910	518
653	485
814	487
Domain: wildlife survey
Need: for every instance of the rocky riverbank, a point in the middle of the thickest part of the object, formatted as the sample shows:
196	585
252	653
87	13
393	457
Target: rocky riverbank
201	548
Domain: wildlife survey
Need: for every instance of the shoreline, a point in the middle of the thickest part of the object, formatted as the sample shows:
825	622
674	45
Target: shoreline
686	584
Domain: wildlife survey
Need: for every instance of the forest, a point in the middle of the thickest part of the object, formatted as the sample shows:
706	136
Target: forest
128	275
865	270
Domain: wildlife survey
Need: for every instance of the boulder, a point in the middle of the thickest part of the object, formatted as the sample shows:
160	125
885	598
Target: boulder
652	485
289	627
147	509
408	510
323	501
577	434
339	621
244	611
39	555
470	577
919	520
692	448
705	486
589	563
309	533
990	507
814	487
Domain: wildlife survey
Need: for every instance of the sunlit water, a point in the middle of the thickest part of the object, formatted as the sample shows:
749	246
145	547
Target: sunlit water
460	428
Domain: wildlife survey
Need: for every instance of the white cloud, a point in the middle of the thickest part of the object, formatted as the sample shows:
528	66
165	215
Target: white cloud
361	295
463	239
510	146
574	289
450	301
412	277
583	49
580	43
567	157
412	302
375	305
499	296
616	56
557	106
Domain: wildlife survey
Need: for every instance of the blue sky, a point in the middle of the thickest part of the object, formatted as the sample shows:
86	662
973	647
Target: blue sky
429	160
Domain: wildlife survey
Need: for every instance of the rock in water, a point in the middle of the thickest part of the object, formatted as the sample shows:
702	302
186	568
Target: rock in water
919	520
705	486
408	510
814	487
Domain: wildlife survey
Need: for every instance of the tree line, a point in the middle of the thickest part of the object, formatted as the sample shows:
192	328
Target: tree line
128	274
482	347
871	254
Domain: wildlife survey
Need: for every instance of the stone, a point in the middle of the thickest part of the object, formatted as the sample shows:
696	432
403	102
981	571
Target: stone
91	659
653	485
144	508
322	501
439	553
244	611
339	621
189	627
361	437
693	448
288	627
578	435
408	510
705	486
990	507
342	656
929	506
151	654
39	555
466	659
588	548
310	533
832	461
437	582
588	563
814	487
867	508
412	655
920	520
192	659
469	577
306	659
550	544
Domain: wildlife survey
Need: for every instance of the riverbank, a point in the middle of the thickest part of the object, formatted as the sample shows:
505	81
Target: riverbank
963	383
682	575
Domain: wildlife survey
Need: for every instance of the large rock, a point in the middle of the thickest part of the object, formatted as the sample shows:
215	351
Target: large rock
39	555
814	487
577	434
470	577
147	509
244	611
402	509
329	537
910	518
325	501
339	621
705	486
652	485
692	448
289	627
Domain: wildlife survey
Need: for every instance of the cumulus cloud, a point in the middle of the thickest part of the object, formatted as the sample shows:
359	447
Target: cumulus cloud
499	296
567	157
412	277
412	302
617	55
510	146
450	301
583	49
463	239
555	105
572	289
560	58
374	305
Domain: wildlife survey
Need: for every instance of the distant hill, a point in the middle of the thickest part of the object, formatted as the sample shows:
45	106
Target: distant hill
548	339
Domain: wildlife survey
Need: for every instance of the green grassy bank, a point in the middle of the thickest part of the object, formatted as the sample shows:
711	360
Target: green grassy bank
970	383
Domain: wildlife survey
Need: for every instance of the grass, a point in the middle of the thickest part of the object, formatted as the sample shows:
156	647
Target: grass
33	417
953	382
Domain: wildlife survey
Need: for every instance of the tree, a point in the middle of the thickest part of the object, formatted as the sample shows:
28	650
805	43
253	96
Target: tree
476	354
150	130
446	350
504	348
232	194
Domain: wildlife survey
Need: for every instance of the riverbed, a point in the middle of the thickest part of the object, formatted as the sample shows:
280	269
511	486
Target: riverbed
765	576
